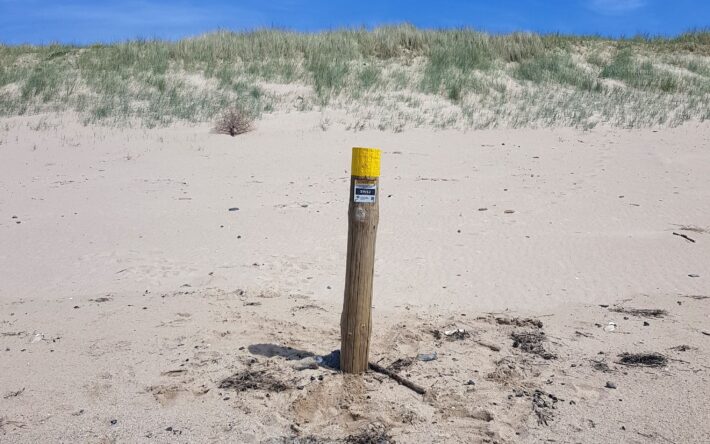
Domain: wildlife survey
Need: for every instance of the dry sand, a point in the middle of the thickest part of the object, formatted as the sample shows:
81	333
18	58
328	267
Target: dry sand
129	292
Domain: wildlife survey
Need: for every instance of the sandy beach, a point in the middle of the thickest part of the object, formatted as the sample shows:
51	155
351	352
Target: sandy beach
163	285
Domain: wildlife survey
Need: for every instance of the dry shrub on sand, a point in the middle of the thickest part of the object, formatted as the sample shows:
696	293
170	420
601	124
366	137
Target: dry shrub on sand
234	121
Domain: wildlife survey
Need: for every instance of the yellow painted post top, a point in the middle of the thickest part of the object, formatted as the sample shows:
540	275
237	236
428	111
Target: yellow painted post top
366	162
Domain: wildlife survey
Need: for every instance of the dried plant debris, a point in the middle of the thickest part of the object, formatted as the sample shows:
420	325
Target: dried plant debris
14	394
405	382
531	342
697	297
14	333
101	299
299	439
458	334
520	322
682	348
401	364
601	366
641	312
685	236
372	434
694	229
253	380
643	359
4	422
543	404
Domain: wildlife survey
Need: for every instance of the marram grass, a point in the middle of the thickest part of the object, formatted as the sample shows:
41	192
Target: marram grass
387	78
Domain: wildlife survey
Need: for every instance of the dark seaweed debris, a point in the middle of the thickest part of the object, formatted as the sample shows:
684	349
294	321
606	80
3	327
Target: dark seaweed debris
253	380
457	335
643	359
4	422
400	364
697	297
373	434
520	322
601	366
641	312
531	342
543	404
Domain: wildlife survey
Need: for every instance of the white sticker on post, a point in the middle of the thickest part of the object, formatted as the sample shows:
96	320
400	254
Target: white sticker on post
365	192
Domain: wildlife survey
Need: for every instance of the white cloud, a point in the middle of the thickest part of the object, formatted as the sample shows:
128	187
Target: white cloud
615	7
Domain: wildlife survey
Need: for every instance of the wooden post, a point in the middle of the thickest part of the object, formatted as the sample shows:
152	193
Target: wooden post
363	216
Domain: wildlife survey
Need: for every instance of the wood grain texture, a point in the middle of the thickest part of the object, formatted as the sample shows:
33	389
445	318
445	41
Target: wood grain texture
356	320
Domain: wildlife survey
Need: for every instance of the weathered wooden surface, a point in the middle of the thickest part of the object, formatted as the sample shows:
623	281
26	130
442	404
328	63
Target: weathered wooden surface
356	320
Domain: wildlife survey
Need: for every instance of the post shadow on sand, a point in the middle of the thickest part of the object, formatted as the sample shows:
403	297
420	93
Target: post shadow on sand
331	360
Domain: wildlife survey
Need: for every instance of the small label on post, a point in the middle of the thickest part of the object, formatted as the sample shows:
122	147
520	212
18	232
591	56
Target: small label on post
365	192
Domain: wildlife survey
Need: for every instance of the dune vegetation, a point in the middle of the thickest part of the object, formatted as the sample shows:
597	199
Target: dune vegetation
389	78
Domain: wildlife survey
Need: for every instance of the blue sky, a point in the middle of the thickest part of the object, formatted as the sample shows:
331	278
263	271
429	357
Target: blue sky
87	21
